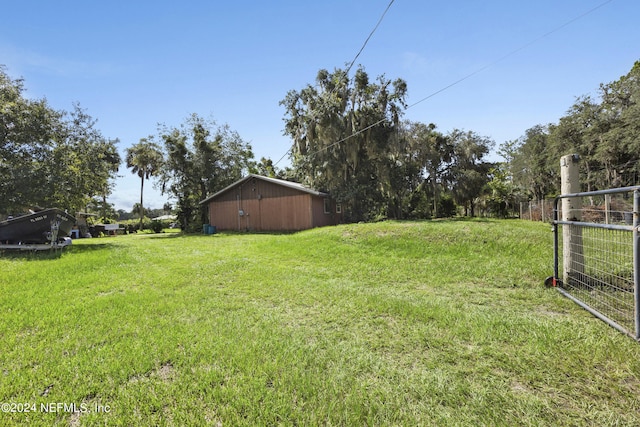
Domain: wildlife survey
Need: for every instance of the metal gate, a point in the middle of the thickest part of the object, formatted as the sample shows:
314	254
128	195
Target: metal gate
596	254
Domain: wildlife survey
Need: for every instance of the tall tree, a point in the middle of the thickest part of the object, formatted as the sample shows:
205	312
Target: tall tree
604	131
580	132
27	130
620	130
433	153
503	194
533	163
342	130
81	164
50	157
202	158
265	167
145	160
469	171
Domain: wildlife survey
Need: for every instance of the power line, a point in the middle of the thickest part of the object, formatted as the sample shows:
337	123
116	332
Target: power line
370	34
513	52
466	77
355	58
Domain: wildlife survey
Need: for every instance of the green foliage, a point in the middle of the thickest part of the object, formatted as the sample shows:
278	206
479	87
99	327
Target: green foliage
604	132
49	157
502	200
431	154
265	167
343	130
145	160
394	323
27	129
156	226
446	206
348	140
468	172
201	158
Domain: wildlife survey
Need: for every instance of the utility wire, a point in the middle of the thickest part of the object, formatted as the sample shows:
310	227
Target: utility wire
370	34
466	77
513	52
355	58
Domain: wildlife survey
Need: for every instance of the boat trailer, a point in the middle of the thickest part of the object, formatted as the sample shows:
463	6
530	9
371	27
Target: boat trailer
62	243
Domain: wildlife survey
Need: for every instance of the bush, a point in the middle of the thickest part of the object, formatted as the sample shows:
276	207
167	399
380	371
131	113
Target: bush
156	226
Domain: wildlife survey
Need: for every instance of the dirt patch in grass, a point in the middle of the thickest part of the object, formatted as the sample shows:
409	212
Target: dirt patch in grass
165	372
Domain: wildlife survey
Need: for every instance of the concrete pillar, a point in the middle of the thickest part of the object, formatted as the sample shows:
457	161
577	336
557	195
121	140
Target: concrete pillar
573	259
570	183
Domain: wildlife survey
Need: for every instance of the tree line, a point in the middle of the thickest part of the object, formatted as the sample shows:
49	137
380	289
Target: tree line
348	138
50	157
190	162
604	131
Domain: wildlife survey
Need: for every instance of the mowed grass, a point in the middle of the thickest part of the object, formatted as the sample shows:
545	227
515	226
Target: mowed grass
394	323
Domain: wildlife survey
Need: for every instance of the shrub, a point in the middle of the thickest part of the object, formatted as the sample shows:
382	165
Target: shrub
156	226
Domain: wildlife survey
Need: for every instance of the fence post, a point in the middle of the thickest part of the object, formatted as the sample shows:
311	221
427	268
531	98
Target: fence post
636	261
573	260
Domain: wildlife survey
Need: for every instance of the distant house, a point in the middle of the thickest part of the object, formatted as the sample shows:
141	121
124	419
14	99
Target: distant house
259	203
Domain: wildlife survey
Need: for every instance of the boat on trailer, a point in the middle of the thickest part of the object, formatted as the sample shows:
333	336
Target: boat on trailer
41	230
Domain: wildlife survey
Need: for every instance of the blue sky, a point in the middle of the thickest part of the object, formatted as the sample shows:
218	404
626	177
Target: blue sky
134	64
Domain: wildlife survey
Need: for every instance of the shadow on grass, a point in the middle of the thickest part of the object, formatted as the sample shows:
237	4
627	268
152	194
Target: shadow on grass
89	248
32	255
52	254
461	219
162	235
216	235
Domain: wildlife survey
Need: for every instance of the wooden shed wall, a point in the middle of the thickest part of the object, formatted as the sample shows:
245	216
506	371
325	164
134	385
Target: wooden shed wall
266	206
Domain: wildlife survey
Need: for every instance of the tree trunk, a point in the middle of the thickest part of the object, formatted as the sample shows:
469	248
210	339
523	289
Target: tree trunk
141	207
435	199
104	204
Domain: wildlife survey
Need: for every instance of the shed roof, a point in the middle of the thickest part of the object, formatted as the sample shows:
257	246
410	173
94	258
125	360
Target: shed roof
282	182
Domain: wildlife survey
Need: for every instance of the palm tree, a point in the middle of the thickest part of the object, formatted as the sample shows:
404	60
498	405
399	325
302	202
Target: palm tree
145	159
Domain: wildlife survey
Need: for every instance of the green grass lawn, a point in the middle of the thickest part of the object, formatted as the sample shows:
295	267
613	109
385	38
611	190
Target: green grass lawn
394	323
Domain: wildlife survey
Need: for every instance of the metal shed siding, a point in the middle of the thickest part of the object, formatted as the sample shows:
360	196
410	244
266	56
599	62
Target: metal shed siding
285	213
265	206
224	214
320	218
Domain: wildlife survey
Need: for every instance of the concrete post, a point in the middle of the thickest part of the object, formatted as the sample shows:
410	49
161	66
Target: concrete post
573	259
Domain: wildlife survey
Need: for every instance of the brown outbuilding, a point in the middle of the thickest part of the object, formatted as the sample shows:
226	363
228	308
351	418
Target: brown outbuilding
260	203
